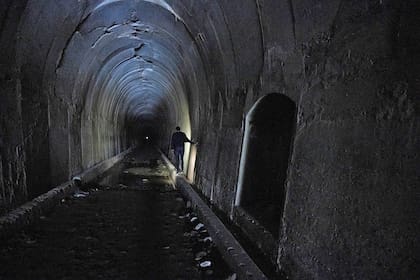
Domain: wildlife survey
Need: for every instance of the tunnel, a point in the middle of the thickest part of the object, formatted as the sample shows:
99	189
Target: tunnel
304	115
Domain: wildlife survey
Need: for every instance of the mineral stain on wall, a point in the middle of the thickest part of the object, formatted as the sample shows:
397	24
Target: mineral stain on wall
81	81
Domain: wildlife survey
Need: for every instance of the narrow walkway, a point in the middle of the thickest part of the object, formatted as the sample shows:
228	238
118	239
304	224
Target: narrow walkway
132	225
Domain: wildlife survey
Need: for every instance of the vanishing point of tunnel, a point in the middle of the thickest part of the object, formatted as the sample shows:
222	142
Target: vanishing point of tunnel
304	118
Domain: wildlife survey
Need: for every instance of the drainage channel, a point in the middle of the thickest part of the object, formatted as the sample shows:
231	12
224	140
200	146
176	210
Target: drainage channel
129	224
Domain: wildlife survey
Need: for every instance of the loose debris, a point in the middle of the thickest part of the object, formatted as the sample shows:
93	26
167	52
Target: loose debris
206	256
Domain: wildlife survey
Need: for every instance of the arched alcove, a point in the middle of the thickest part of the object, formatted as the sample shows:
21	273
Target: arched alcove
265	157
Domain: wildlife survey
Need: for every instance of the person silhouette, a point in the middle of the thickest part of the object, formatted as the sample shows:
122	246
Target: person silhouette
177	144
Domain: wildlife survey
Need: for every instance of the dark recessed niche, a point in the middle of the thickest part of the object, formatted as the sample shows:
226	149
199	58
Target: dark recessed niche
269	132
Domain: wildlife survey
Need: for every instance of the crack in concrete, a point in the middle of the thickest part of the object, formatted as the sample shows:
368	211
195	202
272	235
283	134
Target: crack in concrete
235	58
335	19
69	39
260	21
292	14
105	34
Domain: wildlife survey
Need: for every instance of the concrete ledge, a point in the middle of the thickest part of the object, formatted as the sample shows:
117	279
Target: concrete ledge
171	167
229	247
32	210
98	169
256	233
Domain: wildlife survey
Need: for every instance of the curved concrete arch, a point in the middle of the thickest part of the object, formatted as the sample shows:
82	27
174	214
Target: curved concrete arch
81	80
162	73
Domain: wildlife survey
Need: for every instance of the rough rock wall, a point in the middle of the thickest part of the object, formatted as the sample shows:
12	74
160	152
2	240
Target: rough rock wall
229	38
76	75
351	211
13	142
351	68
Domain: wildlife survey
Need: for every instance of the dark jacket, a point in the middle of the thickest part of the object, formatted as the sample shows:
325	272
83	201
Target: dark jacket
178	139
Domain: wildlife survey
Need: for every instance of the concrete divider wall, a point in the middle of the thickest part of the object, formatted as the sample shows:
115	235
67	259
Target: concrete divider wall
26	214
233	253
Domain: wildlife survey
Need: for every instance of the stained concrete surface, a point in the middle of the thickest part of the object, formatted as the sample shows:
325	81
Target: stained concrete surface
82	80
132	225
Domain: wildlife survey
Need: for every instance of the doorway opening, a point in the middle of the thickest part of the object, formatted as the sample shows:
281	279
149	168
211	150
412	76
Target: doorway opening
269	131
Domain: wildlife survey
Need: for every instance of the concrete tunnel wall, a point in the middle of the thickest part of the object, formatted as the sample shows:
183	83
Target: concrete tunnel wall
82	80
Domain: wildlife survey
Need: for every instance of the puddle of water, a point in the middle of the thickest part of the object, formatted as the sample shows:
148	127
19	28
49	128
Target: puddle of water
136	175
148	172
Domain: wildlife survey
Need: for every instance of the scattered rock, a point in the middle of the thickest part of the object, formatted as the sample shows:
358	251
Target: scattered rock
208	239
199	226
200	255
205	264
80	195
122	186
232	277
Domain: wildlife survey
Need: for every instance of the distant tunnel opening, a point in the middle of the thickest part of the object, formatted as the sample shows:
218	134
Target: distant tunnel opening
126	77
265	157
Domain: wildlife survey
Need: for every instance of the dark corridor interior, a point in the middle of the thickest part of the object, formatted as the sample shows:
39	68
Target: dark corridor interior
305	113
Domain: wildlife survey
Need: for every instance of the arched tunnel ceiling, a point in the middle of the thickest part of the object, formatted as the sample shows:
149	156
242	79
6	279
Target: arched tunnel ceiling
132	62
79	75
108	70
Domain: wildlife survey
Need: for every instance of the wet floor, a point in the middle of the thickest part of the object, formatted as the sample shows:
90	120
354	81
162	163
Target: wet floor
131	225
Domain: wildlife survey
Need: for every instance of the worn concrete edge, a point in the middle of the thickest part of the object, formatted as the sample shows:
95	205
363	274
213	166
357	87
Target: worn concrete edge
171	167
231	250
233	253
26	214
